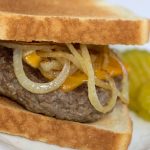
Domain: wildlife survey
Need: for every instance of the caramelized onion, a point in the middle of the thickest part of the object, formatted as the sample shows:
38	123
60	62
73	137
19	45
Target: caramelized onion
125	87
102	84
39	88
49	75
78	57
65	55
93	97
48	65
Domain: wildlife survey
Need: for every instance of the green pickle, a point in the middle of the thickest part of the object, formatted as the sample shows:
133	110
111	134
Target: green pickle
138	63
144	100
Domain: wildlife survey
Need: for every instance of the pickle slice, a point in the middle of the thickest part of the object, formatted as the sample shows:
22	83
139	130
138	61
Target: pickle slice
144	97
138	63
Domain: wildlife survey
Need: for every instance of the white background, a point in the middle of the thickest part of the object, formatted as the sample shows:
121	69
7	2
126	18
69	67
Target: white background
140	7
141	133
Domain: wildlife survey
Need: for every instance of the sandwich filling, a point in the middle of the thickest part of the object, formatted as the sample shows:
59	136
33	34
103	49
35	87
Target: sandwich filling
66	81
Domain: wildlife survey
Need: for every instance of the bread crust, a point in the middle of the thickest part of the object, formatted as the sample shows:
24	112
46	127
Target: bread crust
93	25
86	24
17	121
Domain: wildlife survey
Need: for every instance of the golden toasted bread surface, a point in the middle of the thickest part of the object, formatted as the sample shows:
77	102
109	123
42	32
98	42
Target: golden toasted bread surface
70	22
113	132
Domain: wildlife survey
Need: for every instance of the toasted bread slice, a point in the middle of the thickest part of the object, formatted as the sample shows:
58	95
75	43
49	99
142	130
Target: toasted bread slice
65	21
113	132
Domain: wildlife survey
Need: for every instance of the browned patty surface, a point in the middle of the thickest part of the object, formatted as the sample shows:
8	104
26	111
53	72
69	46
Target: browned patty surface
72	105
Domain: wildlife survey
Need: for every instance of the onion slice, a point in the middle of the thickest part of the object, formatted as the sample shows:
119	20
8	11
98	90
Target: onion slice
77	56
64	55
33	87
50	65
124	95
102	84
94	100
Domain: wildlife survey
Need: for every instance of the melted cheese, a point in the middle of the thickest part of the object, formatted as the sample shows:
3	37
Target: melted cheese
32	59
78	78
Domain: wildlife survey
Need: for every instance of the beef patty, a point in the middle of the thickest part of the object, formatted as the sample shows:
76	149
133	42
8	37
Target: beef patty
72	105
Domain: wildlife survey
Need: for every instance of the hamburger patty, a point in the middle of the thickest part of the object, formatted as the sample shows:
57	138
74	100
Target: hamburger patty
72	105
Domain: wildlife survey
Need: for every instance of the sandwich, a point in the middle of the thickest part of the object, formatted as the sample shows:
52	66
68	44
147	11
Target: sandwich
60	82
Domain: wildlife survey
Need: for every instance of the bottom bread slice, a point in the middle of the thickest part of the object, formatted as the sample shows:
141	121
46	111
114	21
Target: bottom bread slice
112	132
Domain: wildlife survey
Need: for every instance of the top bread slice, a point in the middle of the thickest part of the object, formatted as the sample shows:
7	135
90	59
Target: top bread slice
70	21
112	132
